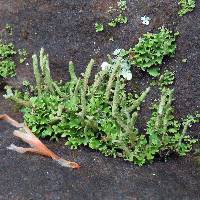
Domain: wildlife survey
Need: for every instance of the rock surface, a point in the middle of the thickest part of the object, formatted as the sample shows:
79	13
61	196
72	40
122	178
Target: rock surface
65	28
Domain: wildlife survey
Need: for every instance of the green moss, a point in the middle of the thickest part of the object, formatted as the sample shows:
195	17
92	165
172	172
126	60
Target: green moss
7	65
186	6
7	68
119	16
148	54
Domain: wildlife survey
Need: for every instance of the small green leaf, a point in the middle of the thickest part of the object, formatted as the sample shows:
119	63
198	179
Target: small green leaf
154	71
99	27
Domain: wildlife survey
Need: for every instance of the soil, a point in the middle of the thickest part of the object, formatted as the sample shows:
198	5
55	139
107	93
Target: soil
65	28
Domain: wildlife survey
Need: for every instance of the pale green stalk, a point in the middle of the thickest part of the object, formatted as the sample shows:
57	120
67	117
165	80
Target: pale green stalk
42	61
36	74
77	87
72	71
160	111
85	87
98	80
167	112
57	89
111	80
116	98
138	101
47	74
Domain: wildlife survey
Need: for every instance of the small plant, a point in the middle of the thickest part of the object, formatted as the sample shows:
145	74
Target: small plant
122	5
121	19
6	50
7	65
101	115
117	20
7	68
9	29
148	54
22	55
186	6
164	132
99	27
166	79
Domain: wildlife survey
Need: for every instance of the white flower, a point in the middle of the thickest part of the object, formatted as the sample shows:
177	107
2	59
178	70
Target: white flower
126	74
117	52
125	66
125	69
129	76
105	66
145	20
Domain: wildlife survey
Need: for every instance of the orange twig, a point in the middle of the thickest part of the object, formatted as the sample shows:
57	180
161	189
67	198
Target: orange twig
36	145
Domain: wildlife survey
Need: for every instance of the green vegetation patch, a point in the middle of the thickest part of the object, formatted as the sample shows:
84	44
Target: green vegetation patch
186	6
99	27
118	16
101	115
148	54
7	65
22	55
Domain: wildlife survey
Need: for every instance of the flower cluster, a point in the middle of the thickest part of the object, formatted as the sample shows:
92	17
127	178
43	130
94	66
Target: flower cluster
145	20
124	64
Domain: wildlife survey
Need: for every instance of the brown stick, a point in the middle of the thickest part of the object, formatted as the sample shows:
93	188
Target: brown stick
10	121
36	145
